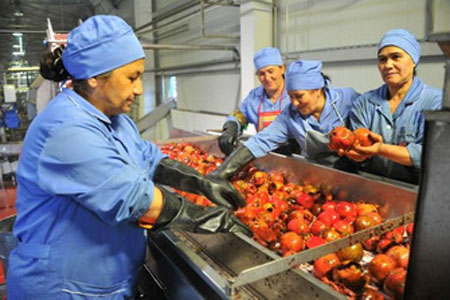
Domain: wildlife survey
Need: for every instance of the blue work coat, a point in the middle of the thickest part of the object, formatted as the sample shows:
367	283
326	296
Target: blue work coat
291	124
249	106
405	127
83	181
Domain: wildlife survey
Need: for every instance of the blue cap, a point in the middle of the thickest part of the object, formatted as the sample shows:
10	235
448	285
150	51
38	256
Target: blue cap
99	45
305	75
403	39
267	57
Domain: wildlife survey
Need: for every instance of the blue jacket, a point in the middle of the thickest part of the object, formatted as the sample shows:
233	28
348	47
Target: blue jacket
249	106
405	127
83	181
291	124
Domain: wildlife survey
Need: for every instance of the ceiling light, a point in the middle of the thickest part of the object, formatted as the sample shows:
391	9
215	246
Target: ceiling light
17	34
18	53
16	46
18	14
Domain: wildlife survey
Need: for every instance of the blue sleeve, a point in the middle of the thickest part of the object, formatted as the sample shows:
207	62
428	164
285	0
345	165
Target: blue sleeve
152	155
271	137
359	116
88	168
415	149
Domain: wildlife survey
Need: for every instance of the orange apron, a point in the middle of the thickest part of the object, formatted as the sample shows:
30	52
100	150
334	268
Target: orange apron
266	118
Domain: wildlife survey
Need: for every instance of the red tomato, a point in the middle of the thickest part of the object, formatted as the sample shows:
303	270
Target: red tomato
343	227
341	138
380	267
318	227
400	254
290	241
362	136
299	226
329	217
315	241
306	200
346	209
325	264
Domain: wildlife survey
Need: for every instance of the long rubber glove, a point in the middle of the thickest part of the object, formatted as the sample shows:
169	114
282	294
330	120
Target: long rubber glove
179	213
235	162
180	176
228	141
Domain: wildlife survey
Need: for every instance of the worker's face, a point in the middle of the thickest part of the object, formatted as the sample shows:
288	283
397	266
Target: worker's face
306	101
395	65
271	78
119	91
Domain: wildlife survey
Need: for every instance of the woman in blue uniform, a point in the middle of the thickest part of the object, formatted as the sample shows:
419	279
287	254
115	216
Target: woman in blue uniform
394	111
263	104
315	110
86	179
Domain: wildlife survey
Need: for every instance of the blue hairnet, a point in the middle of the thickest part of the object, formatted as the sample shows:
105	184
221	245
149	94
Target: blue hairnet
403	39
305	75
267	57
99	45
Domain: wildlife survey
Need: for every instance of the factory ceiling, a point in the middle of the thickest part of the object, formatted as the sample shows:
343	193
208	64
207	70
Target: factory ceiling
23	24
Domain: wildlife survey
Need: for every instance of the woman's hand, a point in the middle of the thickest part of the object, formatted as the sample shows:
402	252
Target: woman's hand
360	153
372	150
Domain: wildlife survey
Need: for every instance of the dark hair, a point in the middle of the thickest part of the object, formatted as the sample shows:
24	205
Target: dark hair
52	68
326	78
51	65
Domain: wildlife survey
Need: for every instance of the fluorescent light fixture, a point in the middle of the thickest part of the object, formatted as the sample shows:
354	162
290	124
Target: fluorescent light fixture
18	53
16	46
17	34
18	14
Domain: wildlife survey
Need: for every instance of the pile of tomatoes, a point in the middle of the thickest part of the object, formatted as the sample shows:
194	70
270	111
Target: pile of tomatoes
288	218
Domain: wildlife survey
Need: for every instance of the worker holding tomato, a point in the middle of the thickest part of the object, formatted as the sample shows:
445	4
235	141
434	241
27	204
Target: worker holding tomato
394	112
86	180
315	109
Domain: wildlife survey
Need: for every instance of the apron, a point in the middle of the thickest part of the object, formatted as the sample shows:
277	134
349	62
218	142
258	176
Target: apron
266	118
316	144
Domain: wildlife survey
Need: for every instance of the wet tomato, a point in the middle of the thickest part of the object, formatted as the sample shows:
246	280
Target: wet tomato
325	264
290	241
318	227
346	209
341	138
259	178
380	267
343	227
394	284
364	222
305	200
362	137
298	225
352	253
400	254
314	241
331	235
365	208
329	217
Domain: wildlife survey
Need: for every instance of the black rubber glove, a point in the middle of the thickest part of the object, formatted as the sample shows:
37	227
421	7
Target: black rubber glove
235	162
228	141
180	176
179	213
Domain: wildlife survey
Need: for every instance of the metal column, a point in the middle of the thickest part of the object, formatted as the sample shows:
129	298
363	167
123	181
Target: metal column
429	268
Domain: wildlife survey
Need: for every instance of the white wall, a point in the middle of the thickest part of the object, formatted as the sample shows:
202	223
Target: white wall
342	33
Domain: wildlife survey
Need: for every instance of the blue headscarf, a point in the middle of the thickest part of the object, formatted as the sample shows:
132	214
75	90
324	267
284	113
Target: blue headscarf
305	75
403	39
99	45
267	57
